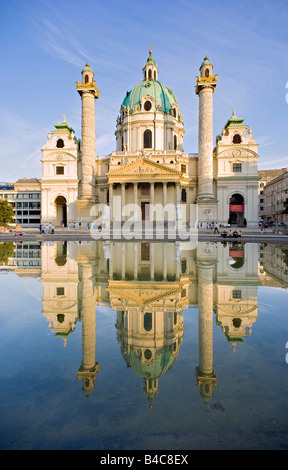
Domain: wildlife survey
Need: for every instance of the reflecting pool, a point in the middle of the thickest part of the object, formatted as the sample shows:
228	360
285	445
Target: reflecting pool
125	346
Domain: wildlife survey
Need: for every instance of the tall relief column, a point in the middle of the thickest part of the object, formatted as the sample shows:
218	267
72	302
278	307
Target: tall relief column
88	92
90	367
205	86
206	377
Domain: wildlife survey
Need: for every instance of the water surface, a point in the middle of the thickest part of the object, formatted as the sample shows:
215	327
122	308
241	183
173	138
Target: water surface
117	346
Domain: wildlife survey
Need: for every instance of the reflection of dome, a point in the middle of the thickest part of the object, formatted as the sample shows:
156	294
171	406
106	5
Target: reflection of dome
158	366
156	90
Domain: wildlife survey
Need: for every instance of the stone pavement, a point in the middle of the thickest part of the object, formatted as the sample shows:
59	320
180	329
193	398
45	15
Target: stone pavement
84	234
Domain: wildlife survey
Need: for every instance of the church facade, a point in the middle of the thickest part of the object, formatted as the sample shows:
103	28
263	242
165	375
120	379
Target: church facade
149	168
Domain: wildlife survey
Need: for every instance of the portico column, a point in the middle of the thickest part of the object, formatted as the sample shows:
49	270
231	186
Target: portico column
122	200
164	193
111	199
135	198
177	193
152	188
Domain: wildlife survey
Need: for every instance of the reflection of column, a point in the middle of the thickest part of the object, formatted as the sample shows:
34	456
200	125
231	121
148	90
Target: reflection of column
123	268
135	261
205	372
164	262
177	260
111	263
152	261
89	367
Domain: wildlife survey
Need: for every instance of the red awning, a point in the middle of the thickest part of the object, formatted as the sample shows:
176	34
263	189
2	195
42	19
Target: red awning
236	208
236	253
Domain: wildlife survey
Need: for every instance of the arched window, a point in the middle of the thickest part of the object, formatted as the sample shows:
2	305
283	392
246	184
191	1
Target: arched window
183	195
60	143
207	73
155	75
175	142
237	139
148	321
150	74
86	79
147	139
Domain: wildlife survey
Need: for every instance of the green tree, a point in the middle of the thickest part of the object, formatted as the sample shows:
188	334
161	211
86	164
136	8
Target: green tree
6	252
6	213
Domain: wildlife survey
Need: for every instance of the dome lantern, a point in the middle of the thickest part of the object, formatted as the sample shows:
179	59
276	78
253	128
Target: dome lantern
150	69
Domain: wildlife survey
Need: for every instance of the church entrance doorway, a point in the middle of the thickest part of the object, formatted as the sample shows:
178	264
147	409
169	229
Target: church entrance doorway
236	210
61	211
145	210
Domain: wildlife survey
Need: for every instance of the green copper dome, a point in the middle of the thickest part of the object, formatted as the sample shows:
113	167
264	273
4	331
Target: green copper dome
206	62
163	96
164	361
87	68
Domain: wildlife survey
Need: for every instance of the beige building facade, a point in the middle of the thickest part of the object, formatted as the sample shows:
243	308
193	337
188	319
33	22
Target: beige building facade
149	167
274	194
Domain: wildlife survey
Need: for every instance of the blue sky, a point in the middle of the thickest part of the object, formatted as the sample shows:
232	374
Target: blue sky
45	44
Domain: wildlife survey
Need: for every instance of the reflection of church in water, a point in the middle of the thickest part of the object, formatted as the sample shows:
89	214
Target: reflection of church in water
149	285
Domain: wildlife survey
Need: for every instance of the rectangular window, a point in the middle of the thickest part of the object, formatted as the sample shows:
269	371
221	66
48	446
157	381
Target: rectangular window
145	189
237	167
183	168
59	170
183	195
236	294
60	290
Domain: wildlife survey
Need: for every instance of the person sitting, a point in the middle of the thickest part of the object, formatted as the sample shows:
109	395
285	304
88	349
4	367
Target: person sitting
224	234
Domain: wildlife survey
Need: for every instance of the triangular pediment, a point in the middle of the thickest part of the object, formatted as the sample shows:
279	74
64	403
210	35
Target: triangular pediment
142	296
144	167
237	152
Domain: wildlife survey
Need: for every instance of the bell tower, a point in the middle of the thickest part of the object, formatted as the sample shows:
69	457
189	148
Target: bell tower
89	92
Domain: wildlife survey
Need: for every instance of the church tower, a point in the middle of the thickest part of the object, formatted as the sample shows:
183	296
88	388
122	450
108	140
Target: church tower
88	92
205	86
